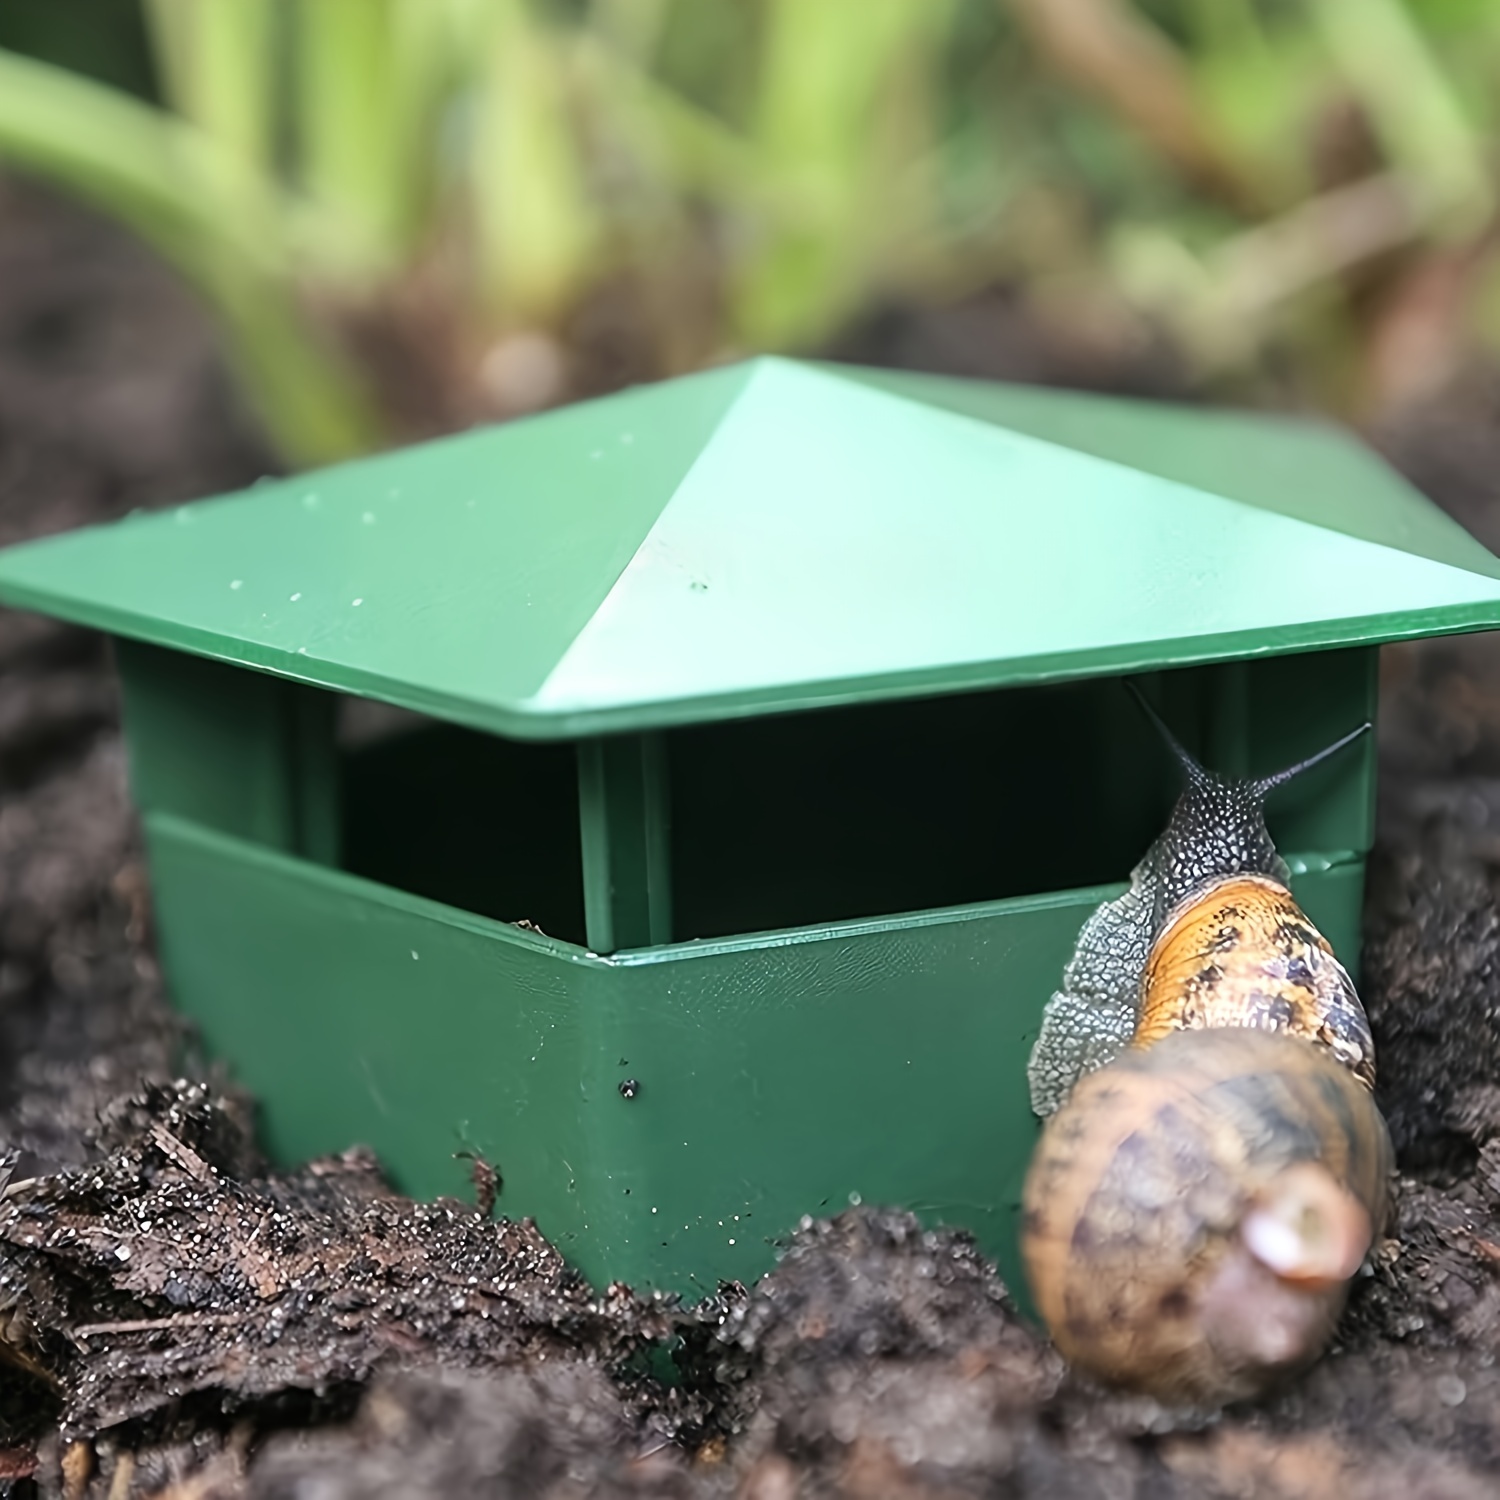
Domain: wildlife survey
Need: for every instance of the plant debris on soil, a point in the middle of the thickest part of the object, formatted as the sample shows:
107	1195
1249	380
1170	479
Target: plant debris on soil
178	1320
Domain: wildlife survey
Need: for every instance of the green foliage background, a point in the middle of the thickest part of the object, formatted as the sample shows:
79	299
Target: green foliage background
404	211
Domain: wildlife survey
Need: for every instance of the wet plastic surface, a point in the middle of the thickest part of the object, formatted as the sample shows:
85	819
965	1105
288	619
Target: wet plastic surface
775	535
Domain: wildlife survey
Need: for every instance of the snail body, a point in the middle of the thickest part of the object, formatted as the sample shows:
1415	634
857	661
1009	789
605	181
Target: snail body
1213	1167
1215	840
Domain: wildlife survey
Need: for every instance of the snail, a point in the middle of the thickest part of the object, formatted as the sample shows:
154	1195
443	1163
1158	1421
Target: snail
1213	1169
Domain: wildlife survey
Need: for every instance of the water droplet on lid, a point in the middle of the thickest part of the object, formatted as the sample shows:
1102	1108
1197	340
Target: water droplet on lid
296	597
731	1242
237	583
310	500
358	602
855	1200
368	518
415	954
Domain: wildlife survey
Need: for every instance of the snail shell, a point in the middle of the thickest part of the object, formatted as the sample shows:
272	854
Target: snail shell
1192	1217
1241	952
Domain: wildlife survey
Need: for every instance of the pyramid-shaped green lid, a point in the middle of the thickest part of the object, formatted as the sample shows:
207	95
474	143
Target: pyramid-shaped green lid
777	535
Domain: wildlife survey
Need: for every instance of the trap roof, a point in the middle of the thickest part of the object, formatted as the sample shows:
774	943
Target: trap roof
777	535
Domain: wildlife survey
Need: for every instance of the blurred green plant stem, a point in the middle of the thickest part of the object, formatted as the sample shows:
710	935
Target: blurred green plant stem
415	214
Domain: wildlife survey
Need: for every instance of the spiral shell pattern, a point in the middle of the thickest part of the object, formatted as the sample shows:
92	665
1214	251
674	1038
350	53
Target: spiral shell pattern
1241	952
1135	1208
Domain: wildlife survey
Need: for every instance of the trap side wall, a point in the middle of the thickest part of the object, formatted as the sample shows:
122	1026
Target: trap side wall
779	1073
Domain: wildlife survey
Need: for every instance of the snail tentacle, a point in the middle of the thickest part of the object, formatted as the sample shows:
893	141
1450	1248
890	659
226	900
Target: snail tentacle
1265	785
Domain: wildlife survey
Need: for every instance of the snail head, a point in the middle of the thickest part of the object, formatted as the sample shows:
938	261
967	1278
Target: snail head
1218	826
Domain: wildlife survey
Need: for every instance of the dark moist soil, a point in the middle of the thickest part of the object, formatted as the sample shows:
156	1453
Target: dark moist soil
178	1320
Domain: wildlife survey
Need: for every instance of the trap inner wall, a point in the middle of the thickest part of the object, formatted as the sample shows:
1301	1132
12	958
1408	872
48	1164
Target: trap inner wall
830	935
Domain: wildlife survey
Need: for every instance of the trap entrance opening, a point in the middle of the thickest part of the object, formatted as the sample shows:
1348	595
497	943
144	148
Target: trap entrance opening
901	807
781	822
786	821
478	822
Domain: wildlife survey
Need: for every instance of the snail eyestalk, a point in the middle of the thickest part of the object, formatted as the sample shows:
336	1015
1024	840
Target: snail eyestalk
1191	769
1258	787
1265	785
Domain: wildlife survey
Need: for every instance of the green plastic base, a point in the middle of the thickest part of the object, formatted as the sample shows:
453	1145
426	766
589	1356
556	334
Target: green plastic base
786	1074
